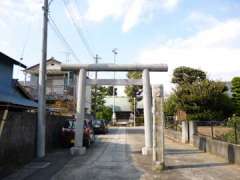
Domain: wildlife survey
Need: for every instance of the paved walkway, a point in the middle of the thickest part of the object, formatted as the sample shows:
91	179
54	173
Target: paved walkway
184	162
118	156
112	161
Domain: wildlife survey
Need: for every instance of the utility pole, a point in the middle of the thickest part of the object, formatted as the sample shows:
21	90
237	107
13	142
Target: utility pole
41	123
97	57
134	111
67	54
113	109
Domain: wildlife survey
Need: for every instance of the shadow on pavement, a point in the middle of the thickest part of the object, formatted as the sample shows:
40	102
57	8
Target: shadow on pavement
131	130
202	165
182	151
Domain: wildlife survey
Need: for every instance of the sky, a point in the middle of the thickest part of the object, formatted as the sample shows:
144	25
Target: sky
200	34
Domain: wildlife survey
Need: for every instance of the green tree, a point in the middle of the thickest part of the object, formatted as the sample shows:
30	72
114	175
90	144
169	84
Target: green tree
97	98
204	100
105	113
236	94
132	90
170	105
187	75
200	98
110	91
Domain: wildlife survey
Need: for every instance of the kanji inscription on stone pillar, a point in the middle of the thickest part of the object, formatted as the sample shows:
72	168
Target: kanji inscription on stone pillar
158	127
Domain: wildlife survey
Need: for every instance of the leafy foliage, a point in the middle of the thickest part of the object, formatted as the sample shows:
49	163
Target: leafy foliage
170	105
132	90
98	107
236	94
98	96
187	75
233	136
200	98
234	120
110	91
105	113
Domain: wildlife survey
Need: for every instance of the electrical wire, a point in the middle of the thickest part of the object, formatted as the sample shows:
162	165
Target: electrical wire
85	30
26	41
79	31
50	2
61	37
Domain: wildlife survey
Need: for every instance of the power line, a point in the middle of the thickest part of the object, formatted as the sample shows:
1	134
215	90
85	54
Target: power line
85	30
50	2
26	40
79	31
61	37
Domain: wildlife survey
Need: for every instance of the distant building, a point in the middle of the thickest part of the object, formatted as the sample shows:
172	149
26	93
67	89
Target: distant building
61	89
12	94
229	86
123	107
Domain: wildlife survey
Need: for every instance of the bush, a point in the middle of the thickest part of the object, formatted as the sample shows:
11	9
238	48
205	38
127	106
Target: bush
170	105
105	113
234	120
230	137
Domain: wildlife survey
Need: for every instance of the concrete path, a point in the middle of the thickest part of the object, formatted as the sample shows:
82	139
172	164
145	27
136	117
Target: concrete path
117	156
112	160
184	162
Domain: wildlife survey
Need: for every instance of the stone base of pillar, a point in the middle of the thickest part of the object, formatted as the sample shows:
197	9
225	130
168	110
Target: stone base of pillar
158	166
146	151
77	151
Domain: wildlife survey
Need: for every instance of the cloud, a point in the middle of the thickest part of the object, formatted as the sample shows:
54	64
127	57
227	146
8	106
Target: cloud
215	50
200	20
133	15
170	4
24	10
99	10
131	11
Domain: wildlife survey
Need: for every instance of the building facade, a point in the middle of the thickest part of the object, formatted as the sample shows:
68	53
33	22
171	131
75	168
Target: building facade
61	89
123	107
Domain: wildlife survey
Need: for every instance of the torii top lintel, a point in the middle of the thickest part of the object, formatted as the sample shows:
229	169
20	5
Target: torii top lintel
115	67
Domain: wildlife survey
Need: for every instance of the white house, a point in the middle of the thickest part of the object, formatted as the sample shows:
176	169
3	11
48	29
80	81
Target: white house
60	85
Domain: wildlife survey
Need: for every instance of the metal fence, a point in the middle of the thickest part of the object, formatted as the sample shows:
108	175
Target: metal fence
219	130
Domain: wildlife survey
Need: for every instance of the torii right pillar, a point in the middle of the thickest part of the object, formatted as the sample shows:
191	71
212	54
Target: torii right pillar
147	106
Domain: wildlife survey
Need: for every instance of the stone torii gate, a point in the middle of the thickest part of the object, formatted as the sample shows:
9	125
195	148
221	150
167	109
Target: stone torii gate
81	69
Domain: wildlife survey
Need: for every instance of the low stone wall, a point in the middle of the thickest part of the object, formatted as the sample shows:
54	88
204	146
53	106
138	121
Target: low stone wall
174	135
230	152
18	139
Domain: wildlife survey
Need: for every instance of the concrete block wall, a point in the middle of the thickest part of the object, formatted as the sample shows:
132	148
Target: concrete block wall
17	143
230	152
18	138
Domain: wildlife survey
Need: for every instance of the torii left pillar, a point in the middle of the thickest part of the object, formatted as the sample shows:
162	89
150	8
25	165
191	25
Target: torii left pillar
78	148
147	103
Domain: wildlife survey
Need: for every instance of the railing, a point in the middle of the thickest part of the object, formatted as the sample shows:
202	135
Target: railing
52	92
